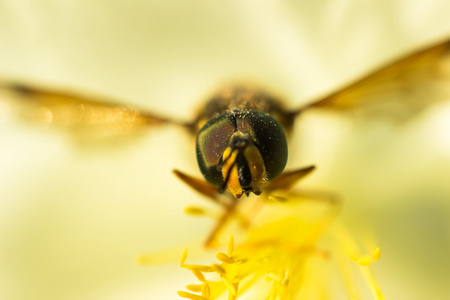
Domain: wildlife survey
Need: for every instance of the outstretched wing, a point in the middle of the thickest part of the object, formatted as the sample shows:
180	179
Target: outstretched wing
410	83
81	114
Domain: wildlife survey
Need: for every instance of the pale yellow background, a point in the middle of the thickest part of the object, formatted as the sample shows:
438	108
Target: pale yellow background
72	223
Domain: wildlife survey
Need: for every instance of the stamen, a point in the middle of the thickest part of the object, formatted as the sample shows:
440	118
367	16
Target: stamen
276	199
219	270
191	296
288	260
183	258
373	284
205	290
230	246
200	268
348	243
195	211
229	284
194	287
376	254
199	275
225	258
364	261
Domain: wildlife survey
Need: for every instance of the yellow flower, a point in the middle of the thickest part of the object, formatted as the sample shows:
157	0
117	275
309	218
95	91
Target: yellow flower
287	252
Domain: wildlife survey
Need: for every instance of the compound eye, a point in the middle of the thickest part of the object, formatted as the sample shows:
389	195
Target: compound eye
212	140
269	137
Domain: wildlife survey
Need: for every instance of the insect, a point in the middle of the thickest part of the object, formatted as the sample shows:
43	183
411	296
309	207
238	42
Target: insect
242	132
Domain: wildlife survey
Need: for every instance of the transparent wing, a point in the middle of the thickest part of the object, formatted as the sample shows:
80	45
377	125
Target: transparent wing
81	114
410	83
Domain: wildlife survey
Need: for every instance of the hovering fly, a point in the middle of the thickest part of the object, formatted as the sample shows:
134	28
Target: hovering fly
241	132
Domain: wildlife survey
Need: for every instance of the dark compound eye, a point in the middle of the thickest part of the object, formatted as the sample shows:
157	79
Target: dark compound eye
262	129
269	137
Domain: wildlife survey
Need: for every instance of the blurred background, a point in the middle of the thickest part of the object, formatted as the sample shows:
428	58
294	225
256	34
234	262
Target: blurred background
72	222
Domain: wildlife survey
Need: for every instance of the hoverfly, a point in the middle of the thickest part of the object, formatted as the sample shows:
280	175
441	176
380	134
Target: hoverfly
241	132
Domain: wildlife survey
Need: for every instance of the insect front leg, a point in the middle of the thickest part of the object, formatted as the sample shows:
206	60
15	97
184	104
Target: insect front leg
225	200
